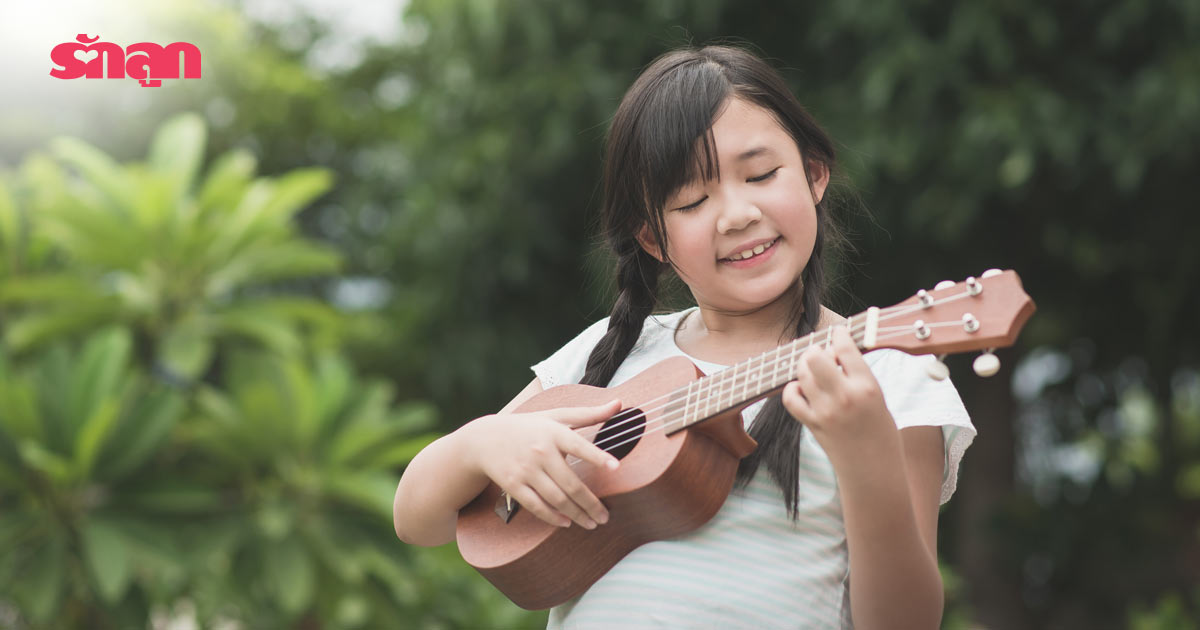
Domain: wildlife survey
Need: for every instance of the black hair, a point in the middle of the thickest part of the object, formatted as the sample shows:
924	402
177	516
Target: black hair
659	140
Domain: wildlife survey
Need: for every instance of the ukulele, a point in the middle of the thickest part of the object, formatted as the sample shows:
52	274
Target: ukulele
680	438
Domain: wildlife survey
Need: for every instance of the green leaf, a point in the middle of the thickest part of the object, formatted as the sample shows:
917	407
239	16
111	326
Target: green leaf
177	151
333	382
97	372
141	432
155	210
176	496
257	325
19	415
54	287
371	406
93	435
238	225
354	441
107	557
93	235
26	331
302	402
398	454
186	350
227	179
98	169
290	574
373	491
10	226
44	578
50	464
292	259
332	554
295	190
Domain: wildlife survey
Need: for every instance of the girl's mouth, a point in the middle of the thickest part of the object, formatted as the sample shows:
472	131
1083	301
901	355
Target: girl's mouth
756	256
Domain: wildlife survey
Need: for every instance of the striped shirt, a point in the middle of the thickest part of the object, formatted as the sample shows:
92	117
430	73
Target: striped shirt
751	566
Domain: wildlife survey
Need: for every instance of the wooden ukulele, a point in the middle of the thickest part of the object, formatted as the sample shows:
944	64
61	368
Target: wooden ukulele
680	437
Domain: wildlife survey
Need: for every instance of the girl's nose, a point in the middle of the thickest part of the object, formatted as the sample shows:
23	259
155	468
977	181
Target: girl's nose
737	215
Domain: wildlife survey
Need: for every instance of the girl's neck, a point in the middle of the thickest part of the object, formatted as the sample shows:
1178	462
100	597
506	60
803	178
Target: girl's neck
726	338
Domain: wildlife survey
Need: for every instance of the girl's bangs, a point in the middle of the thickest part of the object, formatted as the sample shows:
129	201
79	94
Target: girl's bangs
676	138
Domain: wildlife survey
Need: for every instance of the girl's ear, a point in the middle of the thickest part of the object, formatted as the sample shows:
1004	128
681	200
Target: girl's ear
819	176
646	239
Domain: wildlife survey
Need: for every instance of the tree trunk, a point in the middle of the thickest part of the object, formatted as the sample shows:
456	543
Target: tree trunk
986	484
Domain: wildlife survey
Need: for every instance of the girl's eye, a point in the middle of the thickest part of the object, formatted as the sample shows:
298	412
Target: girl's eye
765	176
692	206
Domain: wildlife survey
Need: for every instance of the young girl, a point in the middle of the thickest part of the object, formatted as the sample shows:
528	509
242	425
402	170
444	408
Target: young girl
716	173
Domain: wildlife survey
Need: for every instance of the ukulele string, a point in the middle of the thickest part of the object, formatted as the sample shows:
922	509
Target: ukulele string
890	331
885	314
891	313
811	339
667	422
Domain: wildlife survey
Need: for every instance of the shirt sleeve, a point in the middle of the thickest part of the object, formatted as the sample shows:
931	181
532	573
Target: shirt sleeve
567	365
915	399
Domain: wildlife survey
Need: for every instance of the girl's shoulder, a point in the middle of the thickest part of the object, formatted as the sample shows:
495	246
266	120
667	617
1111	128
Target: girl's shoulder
567	364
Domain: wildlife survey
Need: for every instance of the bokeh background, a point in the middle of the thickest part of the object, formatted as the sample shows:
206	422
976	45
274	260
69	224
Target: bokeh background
232	308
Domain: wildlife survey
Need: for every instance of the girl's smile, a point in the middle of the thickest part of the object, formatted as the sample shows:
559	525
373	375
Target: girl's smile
752	255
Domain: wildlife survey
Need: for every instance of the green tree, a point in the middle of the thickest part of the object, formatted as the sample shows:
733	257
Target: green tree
184	262
180	437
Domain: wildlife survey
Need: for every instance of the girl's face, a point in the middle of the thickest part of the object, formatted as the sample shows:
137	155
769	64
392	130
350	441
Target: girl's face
759	202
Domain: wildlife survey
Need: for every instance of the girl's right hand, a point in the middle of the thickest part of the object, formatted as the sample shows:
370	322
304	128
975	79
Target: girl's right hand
525	454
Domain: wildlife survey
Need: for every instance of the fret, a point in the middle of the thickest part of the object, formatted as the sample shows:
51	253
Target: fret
714	397
732	379
779	366
715	401
745	382
754	378
689	403
775	379
676	409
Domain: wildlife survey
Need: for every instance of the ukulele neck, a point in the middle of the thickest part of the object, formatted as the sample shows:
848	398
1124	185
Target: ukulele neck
756	378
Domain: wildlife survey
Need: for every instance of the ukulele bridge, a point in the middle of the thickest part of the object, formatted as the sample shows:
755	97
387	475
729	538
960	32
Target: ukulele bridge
506	508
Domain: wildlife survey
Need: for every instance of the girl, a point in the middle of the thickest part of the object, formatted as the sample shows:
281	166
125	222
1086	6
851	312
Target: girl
716	173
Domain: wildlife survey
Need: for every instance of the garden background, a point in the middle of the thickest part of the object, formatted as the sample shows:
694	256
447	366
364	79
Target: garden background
232	308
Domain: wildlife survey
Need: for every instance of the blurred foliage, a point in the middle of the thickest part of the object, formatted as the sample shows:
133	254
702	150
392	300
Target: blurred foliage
76	429
1052	138
181	439
152	246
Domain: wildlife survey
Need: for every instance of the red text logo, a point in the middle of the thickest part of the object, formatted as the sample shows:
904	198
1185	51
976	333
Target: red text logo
148	63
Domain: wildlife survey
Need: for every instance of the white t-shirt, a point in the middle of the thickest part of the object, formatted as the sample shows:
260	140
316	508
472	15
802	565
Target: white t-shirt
751	566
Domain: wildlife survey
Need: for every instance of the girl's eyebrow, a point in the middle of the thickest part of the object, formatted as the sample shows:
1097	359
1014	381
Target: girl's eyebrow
752	153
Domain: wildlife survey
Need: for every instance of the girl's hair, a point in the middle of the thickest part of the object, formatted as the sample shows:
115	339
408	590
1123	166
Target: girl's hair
660	139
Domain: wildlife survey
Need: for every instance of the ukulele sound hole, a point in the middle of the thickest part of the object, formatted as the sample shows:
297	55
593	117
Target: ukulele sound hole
621	433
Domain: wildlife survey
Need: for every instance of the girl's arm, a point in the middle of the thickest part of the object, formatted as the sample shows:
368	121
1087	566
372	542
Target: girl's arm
889	481
891	532
523	453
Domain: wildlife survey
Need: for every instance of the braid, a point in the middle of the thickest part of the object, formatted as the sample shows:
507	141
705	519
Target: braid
637	283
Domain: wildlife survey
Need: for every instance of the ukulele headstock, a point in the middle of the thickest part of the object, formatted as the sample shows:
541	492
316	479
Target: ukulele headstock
976	314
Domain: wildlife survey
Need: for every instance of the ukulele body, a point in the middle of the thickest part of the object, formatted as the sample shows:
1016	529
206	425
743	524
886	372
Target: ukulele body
666	485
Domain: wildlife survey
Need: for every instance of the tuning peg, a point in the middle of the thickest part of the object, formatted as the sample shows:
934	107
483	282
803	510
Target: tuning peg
944	284
936	369
990	272
986	364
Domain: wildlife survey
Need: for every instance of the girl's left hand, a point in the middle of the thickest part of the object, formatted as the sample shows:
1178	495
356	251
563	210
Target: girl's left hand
836	396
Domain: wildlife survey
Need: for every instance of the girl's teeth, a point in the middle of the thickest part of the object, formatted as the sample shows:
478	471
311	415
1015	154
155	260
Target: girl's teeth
751	252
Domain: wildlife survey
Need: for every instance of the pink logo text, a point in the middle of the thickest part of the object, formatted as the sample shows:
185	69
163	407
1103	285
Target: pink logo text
146	62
